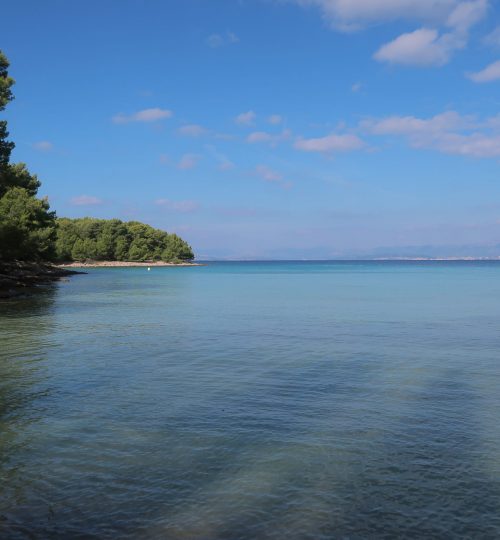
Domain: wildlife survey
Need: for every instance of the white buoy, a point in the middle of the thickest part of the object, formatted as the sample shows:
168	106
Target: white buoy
149	269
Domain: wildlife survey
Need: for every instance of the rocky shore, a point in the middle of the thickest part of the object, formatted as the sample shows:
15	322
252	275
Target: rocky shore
19	278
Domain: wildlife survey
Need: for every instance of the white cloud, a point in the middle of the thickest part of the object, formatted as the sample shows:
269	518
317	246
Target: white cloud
426	46
219	40
183	207
423	47
488	74
188	161
272	139
86	200
192	130
356	87
146	115
478	145
351	15
410	125
246	118
330	143
449	133
275	119
43	146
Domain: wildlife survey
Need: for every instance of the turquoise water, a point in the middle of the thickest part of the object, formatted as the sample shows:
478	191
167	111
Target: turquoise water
254	400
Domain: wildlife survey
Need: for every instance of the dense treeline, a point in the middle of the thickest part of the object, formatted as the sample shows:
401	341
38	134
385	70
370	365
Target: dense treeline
112	239
29	231
27	227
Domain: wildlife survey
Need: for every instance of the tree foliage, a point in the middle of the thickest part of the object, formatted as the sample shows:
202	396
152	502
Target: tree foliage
29	231
27	227
115	240
6	82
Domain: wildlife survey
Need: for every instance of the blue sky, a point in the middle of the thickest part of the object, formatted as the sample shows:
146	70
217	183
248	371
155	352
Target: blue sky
266	128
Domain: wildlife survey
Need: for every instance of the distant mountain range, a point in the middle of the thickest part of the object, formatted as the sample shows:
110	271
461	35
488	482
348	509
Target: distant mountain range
383	252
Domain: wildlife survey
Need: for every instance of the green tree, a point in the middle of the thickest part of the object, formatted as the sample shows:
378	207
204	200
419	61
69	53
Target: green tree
78	250
121	249
138	250
27	227
89	238
6	82
17	175
177	250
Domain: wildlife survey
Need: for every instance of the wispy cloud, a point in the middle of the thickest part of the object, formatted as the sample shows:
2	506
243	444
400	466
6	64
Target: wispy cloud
246	118
184	207
43	146
188	161
449	133
192	130
269	175
493	38
331	143
146	115
356	87
219	40
488	74
269	138
275	119
86	200
224	163
236	212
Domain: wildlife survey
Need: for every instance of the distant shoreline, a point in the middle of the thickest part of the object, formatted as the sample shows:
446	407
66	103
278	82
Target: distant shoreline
122	264
379	259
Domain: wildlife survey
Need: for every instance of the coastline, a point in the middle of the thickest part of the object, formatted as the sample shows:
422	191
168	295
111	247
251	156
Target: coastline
20	278
123	264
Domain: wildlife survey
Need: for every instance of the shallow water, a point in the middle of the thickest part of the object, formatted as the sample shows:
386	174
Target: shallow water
254	400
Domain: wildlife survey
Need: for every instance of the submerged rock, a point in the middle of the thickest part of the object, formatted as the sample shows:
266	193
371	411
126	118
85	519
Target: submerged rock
20	277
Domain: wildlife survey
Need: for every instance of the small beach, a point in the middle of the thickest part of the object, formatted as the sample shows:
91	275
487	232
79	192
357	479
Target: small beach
123	264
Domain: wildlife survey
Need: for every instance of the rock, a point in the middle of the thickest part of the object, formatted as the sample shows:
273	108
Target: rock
19	277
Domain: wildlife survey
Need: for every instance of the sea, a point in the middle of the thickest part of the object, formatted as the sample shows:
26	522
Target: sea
254	400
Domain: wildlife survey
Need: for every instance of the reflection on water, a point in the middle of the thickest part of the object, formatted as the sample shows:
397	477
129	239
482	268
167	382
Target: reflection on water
25	329
254	401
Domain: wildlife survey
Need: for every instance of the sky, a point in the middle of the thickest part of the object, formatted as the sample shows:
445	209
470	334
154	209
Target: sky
266	129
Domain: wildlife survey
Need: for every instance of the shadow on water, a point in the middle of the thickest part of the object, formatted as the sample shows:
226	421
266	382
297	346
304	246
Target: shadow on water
424	476
25	324
300	448
428	478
